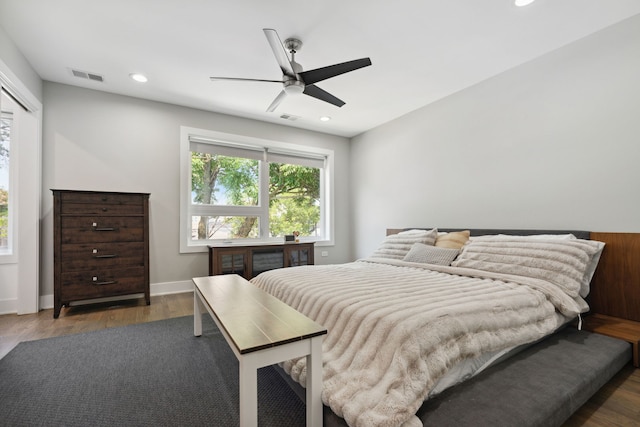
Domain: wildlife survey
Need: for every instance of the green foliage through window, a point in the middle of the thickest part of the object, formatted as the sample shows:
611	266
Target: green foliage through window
5	130
293	197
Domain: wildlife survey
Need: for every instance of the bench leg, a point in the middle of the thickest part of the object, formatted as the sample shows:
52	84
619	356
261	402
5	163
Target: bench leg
314	383
198	308
248	392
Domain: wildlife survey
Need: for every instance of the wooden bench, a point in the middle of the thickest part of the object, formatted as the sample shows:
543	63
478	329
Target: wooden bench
261	330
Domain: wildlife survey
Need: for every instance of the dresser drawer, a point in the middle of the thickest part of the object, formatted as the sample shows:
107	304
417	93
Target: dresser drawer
100	209
101	204
88	256
100	283
102	229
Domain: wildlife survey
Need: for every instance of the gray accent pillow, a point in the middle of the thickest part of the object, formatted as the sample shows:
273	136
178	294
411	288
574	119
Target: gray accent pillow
431	254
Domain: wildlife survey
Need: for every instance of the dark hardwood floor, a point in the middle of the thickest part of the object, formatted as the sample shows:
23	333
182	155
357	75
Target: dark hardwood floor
616	404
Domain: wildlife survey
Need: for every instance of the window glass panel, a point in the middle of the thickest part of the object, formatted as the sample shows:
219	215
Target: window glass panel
294	200
224	227
223	180
5	131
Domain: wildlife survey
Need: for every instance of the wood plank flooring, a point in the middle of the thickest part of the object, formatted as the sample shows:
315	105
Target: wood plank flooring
616	404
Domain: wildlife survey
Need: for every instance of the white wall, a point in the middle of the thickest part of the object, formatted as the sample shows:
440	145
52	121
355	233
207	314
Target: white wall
14	60
98	141
553	143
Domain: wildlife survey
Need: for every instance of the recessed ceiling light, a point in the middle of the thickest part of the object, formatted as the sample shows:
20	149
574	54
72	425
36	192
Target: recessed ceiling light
521	3
138	77
325	118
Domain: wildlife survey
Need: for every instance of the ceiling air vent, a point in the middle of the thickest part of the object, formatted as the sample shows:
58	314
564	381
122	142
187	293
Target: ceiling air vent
86	75
289	117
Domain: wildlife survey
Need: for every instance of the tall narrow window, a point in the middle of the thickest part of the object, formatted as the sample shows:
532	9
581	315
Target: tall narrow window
257	190
5	177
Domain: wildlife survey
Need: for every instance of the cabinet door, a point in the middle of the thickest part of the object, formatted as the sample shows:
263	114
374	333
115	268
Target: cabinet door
266	259
299	255
232	262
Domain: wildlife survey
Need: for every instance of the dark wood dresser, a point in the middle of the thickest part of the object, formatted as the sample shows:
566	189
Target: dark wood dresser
101	246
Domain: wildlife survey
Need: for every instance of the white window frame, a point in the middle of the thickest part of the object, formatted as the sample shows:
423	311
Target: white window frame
10	254
267	150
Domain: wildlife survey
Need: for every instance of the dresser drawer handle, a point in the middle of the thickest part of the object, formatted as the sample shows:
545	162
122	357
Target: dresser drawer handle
106	256
96	228
105	282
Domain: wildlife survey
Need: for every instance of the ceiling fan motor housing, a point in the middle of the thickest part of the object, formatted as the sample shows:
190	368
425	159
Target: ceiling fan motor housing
293	86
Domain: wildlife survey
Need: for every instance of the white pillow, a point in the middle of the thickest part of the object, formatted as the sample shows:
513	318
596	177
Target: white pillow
396	246
422	253
568	263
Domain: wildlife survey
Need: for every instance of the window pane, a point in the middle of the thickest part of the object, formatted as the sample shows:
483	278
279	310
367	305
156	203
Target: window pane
5	130
294	200
223	181
224	227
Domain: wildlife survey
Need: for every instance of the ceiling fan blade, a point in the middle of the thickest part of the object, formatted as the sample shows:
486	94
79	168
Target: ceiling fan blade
323	95
319	74
238	79
281	96
278	50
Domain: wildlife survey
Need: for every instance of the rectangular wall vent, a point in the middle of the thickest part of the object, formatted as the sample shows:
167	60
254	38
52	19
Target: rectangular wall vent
86	75
95	77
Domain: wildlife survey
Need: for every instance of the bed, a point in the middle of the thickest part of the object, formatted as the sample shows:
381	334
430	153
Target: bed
433	308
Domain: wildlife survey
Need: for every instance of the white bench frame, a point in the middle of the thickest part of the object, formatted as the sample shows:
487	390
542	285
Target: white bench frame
252	360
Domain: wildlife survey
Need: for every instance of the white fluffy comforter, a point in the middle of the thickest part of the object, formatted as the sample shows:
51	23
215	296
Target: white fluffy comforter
395	328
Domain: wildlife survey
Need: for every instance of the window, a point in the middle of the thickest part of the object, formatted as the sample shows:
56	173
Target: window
236	188
6	229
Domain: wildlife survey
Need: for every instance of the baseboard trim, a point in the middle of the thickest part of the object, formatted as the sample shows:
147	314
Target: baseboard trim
165	288
168	288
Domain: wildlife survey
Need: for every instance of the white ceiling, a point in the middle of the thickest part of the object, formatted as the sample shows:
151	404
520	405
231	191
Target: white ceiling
422	50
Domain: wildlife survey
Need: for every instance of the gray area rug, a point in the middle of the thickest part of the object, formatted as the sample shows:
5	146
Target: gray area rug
159	374
152	374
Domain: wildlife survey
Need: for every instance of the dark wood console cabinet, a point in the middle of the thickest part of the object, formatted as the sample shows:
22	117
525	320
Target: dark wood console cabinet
101	246
250	260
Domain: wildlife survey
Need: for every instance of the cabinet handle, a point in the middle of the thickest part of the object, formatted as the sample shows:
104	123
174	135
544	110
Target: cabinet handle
106	282
106	256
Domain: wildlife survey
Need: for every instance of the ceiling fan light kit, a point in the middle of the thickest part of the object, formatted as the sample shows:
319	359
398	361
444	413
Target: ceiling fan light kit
296	81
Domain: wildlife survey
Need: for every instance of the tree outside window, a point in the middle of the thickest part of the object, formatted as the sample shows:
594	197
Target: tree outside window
5	130
293	197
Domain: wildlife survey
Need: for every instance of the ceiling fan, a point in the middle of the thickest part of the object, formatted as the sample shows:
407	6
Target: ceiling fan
294	79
